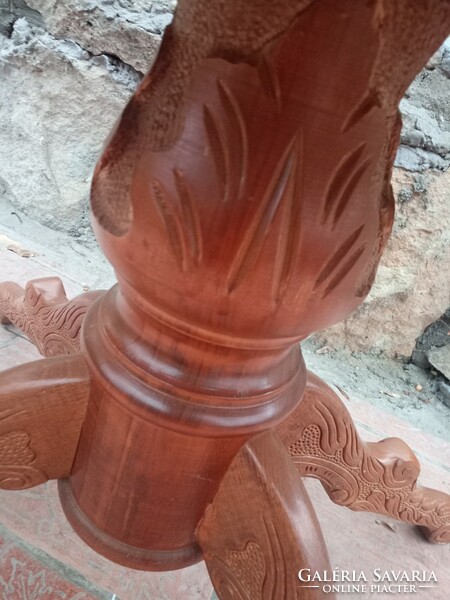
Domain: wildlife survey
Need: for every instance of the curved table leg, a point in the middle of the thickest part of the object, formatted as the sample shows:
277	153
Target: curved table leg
375	477
44	313
261	529
42	408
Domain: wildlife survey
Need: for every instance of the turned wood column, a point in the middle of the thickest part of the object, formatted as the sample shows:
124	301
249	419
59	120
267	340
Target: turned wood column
244	201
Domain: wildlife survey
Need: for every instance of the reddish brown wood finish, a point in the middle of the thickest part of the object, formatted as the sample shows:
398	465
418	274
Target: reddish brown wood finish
244	201
166	416
261	529
43	312
376	477
42	408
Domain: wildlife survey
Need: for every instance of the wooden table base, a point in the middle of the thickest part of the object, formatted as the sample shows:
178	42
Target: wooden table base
244	201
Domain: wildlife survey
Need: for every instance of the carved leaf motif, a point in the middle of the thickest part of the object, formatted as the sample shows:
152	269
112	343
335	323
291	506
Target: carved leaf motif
334	435
289	236
171	219
269	81
191	219
372	468
400	473
20	477
279	190
255	572
340	264
16	458
376	477
12	308
343	183
219	149
352	451
238	136
43	312
15	449
228	140
369	101
249	566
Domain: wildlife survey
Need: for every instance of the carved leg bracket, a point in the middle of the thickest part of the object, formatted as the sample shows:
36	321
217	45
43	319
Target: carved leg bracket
375	477
261	528
42	408
44	313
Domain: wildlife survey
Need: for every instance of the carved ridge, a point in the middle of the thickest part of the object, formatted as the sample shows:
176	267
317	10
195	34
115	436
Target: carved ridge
368	102
290	233
330	272
269	81
276	192
191	217
219	150
172	223
237	122
347	192
344	171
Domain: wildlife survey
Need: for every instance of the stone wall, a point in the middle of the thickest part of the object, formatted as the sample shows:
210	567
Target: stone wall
67	69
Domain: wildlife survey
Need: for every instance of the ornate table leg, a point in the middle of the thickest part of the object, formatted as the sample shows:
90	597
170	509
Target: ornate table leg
376	477
44	313
244	202
261	529
42	408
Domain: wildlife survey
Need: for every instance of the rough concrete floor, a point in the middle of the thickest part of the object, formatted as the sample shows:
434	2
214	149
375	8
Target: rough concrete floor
40	556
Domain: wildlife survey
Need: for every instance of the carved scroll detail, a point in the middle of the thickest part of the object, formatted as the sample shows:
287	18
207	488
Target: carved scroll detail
240	574
16	462
375	477
44	313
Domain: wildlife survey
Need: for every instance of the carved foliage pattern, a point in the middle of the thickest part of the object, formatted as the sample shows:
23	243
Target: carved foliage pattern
16	462
257	570
228	133
12	309
49	319
228	141
355	475
241	574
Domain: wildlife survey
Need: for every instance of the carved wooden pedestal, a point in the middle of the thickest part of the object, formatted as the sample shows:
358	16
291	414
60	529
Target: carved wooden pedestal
244	201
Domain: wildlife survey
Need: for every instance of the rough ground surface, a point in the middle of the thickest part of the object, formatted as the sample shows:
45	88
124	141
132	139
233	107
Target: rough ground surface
390	384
